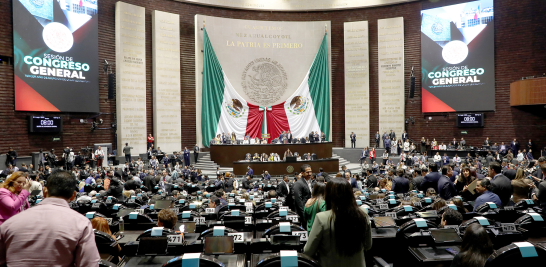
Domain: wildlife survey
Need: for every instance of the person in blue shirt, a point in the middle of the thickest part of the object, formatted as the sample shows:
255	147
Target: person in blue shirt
266	176
482	187
250	172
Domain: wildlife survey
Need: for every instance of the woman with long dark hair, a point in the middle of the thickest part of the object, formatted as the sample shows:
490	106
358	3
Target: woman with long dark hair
341	234
476	248
314	205
463	181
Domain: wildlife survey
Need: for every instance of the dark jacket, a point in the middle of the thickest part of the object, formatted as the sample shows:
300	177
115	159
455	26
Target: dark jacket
417	181
502	186
149	182
371	182
446	188
229	184
431	180
301	194
400	185
247	184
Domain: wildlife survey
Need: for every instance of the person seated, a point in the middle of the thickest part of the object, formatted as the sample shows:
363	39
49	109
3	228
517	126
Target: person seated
248	157
215	203
256	157
101	224
264	157
451	217
483	187
276	157
264	141
167	218
271	157
476	247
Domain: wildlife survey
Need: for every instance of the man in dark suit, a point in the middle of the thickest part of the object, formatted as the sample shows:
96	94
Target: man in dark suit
539	193
500	184
229	184
446	188
289	137
302	140
302	190
149	182
454	143
510	172
417	179
392	135
377	137
514	146
311	137
371	181
351	180
400	185
431	179
247	183
486	143
284	190
384	137
404	136
353	140
196	152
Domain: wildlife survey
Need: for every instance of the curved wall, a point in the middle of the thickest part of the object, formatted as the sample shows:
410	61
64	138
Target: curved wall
520	50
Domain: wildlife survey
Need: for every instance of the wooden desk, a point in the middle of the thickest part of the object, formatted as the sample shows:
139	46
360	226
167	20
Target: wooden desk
280	167
528	92
225	155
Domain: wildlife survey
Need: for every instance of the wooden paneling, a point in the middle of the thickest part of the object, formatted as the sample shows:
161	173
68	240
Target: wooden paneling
225	155
528	92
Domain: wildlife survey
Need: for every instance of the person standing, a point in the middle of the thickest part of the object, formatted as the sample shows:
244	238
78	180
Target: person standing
196	152
13	196
364	155
384	137
302	190
404	136
186	156
11	157
65	238
127	152
314	205
150	141
250	172
400	184
423	146
514	146
99	156
333	238
372	155
284	189
353	140
500	184
377	136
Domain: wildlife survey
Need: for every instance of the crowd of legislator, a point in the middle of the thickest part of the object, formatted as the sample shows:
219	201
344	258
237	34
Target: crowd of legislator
67	196
284	138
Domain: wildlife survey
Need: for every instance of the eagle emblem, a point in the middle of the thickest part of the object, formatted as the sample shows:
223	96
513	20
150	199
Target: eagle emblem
298	105
235	108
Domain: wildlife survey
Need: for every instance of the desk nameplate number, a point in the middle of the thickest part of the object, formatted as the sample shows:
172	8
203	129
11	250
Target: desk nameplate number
302	234
237	237
199	220
508	227
140	211
174	239
293	218
248	220
383	206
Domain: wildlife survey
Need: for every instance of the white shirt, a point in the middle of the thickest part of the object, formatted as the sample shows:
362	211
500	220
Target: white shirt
406	146
443	147
36	186
437	158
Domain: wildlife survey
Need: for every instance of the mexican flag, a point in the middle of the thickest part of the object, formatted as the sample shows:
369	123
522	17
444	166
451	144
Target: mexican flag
225	111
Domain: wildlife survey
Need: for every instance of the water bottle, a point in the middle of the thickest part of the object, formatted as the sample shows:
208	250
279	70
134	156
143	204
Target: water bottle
121	225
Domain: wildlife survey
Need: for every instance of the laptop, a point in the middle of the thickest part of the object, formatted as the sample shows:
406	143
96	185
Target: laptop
384	222
445	235
218	245
152	246
162	204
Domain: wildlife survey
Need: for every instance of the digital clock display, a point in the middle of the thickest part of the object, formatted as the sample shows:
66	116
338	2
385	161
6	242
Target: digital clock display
41	124
470	120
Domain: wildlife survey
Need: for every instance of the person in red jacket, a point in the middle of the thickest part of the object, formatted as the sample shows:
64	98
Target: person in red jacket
150	140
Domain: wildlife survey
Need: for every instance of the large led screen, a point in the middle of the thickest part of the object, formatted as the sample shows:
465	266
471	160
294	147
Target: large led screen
457	58
55	45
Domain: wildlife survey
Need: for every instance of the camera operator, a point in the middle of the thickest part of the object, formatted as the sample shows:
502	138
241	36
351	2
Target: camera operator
68	156
11	157
51	158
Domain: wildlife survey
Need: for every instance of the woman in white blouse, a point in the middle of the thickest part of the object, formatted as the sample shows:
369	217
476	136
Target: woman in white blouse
406	147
